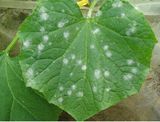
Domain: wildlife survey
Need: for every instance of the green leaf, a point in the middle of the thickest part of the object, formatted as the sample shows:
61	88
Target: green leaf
85	65
18	102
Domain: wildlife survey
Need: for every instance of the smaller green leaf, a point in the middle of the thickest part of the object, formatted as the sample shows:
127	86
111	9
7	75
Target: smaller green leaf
18	102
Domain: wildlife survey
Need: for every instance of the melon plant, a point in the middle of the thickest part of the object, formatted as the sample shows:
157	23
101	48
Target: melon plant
81	64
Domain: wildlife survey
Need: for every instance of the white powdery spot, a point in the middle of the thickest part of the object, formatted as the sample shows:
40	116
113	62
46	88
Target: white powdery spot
99	13
62	10
73	56
30	73
40	47
117	4
61	88
30	83
127	77
65	61
106	73
71	74
27	43
108	89
42	29
92	46
60	100
50	43
44	16
131	31
108	54
42	9
79	62
45	38
105	47
134	23
69	92
123	14
134	70
84	67
94	89
96	31
62	23
77	28
80	94
73	87
130	62
97	73
137	8
66	35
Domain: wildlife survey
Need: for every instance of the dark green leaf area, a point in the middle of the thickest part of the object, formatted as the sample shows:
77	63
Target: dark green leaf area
18	102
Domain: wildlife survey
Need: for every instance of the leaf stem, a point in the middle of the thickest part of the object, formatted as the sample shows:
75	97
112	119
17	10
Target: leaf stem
92	8
10	46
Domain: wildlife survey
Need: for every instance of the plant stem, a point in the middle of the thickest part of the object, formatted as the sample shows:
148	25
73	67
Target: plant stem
10	46
92	8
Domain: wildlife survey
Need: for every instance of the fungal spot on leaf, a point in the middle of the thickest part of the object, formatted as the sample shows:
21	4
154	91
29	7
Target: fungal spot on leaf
30	73
44	16
108	89
108	54
105	47
61	88
123	15
73	56
62	10
77	28
60	100
130	62
42	9
79	62
65	61
62	23
97	73
134	70
26	43
106	73
50	43
117	4
132	28
84	67
42	29
94	89
73	87
131	31
45	38
71	74
66	35
69	92
80	94
40	47
96	31
92	46
128	76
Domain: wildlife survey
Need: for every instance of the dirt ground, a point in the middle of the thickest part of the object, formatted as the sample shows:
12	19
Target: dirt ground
142	106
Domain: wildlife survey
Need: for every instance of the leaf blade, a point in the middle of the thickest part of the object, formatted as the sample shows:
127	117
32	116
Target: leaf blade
24	104
91	64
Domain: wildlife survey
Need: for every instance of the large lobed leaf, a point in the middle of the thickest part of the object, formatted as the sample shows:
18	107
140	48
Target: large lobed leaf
85	65
18	102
